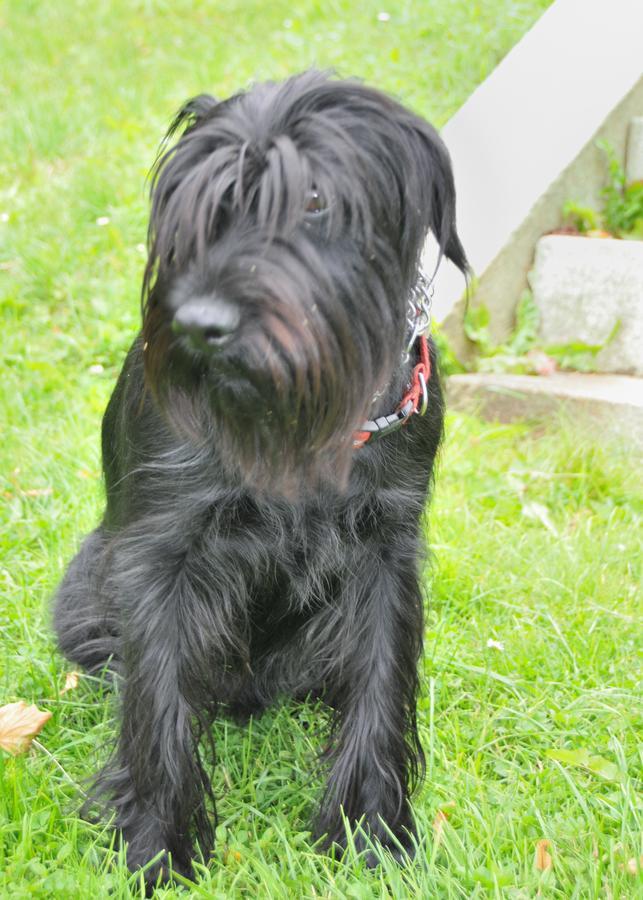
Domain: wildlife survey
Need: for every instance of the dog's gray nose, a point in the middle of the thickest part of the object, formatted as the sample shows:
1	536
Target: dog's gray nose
207	322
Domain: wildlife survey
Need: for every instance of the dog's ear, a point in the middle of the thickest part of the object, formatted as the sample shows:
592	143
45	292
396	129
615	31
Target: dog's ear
433	193
413	158
192	114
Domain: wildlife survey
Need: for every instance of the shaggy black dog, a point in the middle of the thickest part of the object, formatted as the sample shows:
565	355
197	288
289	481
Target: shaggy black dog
258	540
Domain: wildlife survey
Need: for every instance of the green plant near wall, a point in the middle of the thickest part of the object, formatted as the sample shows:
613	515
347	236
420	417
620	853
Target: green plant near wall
522	353
449	362
620	216
622	212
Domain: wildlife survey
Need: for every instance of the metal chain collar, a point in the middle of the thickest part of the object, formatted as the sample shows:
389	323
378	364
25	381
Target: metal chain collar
419	316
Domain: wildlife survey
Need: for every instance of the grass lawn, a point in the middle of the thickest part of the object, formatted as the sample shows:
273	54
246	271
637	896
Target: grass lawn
536	534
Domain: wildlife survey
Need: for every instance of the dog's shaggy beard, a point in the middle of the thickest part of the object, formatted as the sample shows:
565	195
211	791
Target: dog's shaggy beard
280	404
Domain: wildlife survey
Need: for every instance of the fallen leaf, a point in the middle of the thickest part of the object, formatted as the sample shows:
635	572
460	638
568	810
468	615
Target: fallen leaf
538	511
541	362
85	473
39	492
71	682
543	861
582	758
632	866
441	817
438	825
230	856
19	724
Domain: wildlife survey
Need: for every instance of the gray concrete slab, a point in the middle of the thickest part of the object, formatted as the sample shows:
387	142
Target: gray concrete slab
584	289
634	157
611	404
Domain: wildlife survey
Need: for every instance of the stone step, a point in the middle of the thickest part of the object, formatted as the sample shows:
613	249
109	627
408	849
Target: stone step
584	289
612	403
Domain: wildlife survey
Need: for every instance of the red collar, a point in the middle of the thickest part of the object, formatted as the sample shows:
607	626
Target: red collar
409	404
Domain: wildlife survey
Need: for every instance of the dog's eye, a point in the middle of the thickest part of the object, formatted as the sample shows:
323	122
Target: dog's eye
315	203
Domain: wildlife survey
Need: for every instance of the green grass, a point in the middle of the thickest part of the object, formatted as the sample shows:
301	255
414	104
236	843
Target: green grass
536	534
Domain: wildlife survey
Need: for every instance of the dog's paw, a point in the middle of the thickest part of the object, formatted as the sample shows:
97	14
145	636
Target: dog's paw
401	849
159	873
370	842
153	863
243	710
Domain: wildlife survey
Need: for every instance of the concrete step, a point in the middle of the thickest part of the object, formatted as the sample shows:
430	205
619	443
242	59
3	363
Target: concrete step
585	289
603	402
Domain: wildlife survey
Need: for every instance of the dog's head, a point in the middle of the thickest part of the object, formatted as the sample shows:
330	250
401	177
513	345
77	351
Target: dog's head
286	228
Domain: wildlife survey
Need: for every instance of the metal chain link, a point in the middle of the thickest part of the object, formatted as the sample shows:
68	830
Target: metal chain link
418	319
420	303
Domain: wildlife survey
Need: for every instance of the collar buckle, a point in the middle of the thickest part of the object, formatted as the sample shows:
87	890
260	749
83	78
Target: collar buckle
383	425
416	400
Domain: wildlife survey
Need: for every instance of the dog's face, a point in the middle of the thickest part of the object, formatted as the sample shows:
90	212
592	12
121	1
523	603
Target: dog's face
285	235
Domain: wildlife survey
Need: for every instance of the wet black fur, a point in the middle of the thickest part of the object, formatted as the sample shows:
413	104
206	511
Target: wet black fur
247	553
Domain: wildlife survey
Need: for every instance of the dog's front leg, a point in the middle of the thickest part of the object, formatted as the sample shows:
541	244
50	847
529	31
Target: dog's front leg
375	752
172	644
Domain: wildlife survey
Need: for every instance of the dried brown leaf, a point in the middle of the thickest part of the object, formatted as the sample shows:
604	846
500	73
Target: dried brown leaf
71	682
438	825
632	866
441	817
543	861
19	724
86	473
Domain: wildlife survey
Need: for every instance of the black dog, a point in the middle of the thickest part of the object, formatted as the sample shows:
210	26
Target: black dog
258	541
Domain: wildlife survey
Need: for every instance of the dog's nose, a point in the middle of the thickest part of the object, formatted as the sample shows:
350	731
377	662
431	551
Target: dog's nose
207	322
